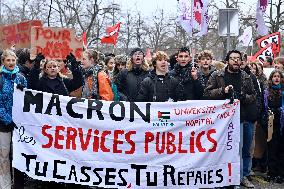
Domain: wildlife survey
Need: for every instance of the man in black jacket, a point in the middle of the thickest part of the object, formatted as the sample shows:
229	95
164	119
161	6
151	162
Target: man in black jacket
158	86
230	81
189	83
129	80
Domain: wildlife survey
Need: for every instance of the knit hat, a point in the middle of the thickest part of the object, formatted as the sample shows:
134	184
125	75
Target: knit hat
136	50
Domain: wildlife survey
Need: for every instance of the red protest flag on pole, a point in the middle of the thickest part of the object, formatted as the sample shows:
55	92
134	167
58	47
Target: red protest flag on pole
84	39
112	34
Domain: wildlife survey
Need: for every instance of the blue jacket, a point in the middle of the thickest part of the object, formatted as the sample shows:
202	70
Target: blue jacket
6	93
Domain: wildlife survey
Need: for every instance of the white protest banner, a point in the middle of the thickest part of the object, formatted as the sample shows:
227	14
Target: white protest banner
192	144
55	43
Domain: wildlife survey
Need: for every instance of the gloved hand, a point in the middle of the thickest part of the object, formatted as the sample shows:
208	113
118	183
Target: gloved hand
20	87
71	59
13	125
37	60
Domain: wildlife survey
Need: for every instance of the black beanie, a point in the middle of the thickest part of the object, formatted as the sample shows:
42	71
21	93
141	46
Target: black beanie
136	50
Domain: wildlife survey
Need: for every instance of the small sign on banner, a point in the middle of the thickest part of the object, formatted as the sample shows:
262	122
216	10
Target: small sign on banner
55	43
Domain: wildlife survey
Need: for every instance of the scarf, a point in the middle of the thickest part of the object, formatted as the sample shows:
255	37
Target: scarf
92	71
14	71
276	87
8	73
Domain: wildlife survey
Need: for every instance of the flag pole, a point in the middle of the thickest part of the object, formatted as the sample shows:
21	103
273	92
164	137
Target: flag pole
248	45
191	1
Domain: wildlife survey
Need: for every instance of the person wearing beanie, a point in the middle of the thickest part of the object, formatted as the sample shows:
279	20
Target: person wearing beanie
129	80
189	82
158	86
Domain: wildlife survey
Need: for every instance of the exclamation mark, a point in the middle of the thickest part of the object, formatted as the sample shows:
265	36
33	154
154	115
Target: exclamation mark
230	171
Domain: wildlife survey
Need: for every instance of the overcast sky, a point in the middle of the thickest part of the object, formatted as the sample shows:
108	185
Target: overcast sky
148	7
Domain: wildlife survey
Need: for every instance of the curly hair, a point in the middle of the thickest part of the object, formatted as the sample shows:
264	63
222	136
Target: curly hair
205	53
275	94
159	55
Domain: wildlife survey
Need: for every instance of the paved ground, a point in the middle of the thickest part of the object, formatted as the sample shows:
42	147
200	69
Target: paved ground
259	182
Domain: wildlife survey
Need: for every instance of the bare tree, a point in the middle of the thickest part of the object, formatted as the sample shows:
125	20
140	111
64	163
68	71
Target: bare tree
276	16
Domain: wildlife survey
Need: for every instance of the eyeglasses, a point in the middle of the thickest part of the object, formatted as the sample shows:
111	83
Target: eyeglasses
235	58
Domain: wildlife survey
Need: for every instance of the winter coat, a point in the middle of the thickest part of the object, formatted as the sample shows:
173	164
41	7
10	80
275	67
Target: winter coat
59	85
255	107
276	105
129	83
204	77
158	89
215	91
187	88
6	95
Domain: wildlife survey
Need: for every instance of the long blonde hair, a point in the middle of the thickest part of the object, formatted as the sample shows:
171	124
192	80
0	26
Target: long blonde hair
144	66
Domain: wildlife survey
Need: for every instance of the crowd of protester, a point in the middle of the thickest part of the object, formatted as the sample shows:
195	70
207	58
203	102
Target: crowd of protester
163	79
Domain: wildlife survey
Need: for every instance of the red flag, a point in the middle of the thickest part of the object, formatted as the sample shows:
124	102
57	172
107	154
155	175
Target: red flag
84	38
112	34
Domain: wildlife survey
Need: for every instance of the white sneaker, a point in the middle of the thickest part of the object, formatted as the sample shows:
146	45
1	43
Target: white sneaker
246	183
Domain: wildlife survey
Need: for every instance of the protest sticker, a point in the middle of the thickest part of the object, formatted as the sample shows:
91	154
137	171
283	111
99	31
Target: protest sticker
191	144
18	34
55	43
